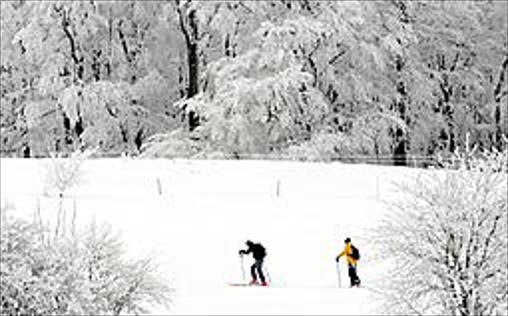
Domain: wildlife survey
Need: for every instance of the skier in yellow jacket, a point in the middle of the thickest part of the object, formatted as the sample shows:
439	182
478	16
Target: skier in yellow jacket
352	257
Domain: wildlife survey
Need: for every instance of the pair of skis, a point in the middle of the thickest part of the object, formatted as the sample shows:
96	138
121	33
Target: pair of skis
247	284
244	283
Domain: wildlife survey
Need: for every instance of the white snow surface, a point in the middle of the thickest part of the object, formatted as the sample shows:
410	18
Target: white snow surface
208	209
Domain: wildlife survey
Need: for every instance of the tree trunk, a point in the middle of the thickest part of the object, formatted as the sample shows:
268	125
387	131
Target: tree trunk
189	27
400	154
498	95
110	45
193	67
78	73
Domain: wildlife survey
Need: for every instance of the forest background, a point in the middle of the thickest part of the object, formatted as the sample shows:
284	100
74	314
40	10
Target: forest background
384	81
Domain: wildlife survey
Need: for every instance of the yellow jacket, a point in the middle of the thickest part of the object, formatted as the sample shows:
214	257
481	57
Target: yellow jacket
347	251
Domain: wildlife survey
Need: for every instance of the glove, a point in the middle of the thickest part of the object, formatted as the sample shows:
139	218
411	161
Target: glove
240	252
337	259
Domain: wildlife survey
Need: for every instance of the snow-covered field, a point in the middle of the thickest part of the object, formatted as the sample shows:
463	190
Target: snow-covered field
205	210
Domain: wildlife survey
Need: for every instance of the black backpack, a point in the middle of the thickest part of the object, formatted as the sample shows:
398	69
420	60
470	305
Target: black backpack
258	251
262	251
355	254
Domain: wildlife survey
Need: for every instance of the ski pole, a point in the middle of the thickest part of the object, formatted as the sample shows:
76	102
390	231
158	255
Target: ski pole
268	278
243	269
337	265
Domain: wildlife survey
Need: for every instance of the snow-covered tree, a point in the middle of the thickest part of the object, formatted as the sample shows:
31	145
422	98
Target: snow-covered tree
262	98
56	55
447	240
438	69
450	76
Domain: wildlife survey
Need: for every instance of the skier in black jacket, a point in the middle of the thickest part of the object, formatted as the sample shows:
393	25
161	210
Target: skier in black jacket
259	254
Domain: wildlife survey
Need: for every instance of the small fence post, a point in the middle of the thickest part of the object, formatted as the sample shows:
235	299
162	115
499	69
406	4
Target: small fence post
73	220
159	186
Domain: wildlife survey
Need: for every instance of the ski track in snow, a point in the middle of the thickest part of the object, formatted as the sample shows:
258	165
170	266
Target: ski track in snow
209	208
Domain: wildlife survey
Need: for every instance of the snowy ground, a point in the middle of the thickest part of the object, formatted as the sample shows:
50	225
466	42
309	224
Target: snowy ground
301	212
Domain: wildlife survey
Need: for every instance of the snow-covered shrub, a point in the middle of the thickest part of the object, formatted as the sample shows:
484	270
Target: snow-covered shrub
447	240
326	146
85	275
61	175
176	144
321	147
470	157
212	154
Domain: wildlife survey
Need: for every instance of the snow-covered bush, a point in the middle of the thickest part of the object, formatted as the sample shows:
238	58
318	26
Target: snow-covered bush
321	147
61	175
176	144
367	139
470	157
447	240
85	275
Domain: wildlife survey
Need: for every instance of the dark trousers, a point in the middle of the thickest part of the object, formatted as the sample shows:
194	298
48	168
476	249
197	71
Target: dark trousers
257	266
353	276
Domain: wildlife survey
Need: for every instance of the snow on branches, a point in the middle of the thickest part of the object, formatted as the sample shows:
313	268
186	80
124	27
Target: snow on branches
254	102
85	275
447	240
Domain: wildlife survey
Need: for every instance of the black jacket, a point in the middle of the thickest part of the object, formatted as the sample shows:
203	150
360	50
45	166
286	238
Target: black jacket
258	251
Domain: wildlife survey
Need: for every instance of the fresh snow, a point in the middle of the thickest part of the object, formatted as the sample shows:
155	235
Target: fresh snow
208	209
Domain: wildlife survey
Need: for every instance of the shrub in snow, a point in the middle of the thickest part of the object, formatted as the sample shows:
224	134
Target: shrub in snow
330	146
176	144
321	147
62	174
472	158
88	274
447	240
